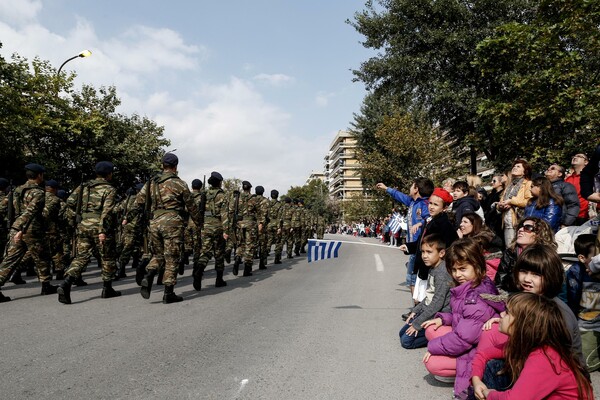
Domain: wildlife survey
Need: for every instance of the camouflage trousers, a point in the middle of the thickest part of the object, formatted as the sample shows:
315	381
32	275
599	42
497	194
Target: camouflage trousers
287	238
247	236
297	238
166	244
130	244
320	232
3	242
197	241
275	239
54	244
263	243
89	245
213	245
15	251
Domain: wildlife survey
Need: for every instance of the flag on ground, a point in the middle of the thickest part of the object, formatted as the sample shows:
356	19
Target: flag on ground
318	250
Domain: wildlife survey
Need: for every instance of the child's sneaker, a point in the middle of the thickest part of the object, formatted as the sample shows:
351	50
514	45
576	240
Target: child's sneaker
444	379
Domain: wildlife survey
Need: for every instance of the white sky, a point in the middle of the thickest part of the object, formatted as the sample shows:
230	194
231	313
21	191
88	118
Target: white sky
253	89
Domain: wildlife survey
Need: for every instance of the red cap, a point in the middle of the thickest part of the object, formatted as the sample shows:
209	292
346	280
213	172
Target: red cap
443	194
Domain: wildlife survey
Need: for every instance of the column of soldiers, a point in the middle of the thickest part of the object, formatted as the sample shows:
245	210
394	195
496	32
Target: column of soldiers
150	225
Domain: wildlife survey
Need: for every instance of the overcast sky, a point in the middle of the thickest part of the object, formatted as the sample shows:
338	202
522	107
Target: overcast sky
254	89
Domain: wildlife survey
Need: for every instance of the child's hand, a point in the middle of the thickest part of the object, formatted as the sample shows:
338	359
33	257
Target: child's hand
426	356
403	248
411	316
486	393
436	322
478	387
412	331
488	325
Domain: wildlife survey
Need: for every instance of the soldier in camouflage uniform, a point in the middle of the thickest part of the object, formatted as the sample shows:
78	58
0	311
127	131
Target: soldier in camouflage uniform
297	222
130	234
52	221
4	185
320	225
275	226
250	223
193	234
27	231
95	232
169	197
263	239
65	235
214	232
287	236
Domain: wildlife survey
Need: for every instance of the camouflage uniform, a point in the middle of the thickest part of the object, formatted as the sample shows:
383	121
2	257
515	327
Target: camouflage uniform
287	236
275	228
130	237
29	202
51	215
193	232
263	239
320	223
3	222
297	222
250	216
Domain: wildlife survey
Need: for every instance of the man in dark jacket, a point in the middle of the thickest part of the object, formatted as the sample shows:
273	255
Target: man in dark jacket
556	174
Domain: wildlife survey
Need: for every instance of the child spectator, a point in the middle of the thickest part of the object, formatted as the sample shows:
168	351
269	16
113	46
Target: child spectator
545	203
576	274
439	223
463	203
418	212
453	336
437	297
472	226
538	354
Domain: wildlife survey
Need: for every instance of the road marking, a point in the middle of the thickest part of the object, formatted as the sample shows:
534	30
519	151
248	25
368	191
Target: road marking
378	263
243	383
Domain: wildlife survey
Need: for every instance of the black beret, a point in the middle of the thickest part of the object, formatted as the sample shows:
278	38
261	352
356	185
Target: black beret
274	193
216	175
37	168
246	184
52	183
61	194
170	159
196	184
4	183
104	168
259	190
288	200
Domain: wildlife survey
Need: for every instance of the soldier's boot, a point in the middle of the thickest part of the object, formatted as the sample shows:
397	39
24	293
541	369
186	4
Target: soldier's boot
161	274
64	290
122	273
197	275
80	282
236	265
16	277
303	249
169	296
261	264
3	298
60	275
147	284
135	262
277	259
227	256
289	255
47	288
31	270
248	269
220	282
140	271
108	291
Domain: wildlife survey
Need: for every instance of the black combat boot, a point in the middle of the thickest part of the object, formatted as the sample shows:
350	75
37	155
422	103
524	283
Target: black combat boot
220	282
60	275
31	270
16	277
135	262
236	265
108	291
121	271
277	259
161	274
248	269
290	256
147	284
170	297
227	256
79	281
47	288
64	290
3	298
262	264
197	275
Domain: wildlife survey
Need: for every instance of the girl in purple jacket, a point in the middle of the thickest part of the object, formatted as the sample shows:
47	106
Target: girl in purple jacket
453	336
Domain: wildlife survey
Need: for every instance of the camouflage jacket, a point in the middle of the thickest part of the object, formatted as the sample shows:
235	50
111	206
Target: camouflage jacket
51	214
29	202
287	215
248	210
275	214
297	217
97	205
3	211
263	211
215	214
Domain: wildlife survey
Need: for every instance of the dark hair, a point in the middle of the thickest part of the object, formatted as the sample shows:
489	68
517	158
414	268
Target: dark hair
475	220
526	167
538	323
424	186
585	244
542	260
467	251
462	185
29	174
546	193
434	240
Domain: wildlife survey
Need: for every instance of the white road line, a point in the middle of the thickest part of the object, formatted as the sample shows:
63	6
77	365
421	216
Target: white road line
378	263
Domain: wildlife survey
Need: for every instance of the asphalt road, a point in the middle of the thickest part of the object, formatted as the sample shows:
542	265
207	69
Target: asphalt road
324	330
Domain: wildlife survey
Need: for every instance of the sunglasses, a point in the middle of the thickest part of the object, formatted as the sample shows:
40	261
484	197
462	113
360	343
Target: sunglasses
528	228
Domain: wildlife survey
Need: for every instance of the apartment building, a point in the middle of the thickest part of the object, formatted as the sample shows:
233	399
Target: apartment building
341	167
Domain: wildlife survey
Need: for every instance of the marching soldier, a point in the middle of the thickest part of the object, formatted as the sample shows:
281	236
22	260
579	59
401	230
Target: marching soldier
130	238
213	232
320	225
287	236
26	232
249	224
275	226
4	185
168	197
95	200
52	224
263	205
193	233
297	220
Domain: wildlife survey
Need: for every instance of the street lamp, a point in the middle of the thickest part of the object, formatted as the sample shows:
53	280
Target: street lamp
84	53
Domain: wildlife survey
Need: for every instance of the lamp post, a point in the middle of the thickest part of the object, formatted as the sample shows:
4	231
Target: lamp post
84	53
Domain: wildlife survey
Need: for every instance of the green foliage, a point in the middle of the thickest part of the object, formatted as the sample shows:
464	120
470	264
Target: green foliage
44	120
314	194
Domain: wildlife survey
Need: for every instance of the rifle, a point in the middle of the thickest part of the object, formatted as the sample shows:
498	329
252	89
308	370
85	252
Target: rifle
145	223
77	219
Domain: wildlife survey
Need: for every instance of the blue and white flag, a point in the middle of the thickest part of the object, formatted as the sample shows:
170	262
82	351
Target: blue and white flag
321	250
395	224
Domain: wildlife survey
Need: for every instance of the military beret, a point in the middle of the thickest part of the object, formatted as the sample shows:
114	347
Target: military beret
37	168
246	184
216	175
52	183
104	168
4	183
259	190
287	200
196	184
170	159
274	194
61	194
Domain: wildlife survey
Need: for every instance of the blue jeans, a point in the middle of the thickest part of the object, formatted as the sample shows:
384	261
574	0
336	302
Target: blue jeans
491	378
412	342
411	277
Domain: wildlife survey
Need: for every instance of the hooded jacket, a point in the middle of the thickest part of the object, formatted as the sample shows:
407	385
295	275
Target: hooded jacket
463	206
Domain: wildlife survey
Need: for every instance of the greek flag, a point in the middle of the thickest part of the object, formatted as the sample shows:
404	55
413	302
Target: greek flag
322	250
395	224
